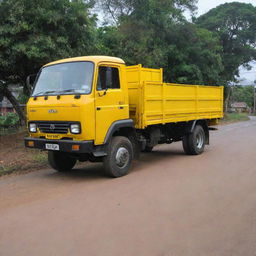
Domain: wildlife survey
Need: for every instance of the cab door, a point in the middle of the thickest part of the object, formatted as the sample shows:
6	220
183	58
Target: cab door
110	100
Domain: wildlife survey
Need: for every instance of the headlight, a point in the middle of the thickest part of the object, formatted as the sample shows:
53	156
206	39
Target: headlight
75	128
32	127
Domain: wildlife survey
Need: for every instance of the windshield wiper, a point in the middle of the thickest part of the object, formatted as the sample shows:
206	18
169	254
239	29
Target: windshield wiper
69	90
41	93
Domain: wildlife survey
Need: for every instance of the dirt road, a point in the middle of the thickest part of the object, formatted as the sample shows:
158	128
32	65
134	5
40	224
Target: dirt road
170	204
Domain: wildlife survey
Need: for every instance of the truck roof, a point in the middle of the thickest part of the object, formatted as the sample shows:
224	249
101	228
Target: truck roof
95	59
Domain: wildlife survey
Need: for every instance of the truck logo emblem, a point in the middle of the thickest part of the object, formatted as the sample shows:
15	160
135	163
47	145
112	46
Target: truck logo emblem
52	111
52	126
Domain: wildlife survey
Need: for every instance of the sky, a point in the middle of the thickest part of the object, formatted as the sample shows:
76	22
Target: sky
246	77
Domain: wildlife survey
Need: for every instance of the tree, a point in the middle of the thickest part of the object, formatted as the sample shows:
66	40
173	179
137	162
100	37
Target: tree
146	9
193	55
243	94
156	34
235	24
33	33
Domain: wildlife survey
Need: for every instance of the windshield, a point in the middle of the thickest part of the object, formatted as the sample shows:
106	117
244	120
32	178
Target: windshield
66	78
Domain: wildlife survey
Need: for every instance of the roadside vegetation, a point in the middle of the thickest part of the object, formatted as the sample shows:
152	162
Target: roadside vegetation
9	123
235	117
14	157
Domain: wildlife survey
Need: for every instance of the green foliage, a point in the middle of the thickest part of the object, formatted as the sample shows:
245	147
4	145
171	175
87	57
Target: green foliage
243	94
146	10
40	158
10	120
156	35
23	98
193	56
235	117
33	33
235	24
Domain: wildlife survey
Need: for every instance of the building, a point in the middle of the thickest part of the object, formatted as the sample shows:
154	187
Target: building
5	105
240	107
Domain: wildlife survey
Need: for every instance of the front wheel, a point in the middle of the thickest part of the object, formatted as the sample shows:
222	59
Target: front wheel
119	157
194	143
61	161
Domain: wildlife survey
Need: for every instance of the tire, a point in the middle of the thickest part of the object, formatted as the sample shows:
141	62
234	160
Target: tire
148	149
61	162
119	157
194	143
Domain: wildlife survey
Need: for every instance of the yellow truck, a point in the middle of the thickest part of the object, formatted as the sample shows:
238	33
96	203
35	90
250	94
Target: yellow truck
97	109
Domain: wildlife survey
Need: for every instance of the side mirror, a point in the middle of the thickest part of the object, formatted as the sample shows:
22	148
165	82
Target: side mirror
30	81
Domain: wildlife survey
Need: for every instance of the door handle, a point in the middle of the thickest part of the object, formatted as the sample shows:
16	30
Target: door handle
121	107
98	108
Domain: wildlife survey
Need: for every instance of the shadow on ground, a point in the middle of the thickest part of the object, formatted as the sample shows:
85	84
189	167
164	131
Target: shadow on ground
95	170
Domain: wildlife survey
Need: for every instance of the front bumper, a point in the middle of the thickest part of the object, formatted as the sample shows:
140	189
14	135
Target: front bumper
64	145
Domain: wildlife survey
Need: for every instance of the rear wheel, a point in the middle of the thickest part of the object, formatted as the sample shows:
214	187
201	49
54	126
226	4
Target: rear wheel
194	143
61	161
119	157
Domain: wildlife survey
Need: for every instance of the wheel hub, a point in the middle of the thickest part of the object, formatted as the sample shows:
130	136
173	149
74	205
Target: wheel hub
199	140
122	157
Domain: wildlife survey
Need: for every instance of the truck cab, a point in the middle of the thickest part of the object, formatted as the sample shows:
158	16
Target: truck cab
75	107
80	93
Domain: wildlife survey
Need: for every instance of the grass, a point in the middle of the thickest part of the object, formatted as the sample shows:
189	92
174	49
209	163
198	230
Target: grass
235	117
37	161
14	157
5	170
11	130
41	158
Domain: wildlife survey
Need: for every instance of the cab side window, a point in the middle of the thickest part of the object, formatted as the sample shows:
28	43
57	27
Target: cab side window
108	78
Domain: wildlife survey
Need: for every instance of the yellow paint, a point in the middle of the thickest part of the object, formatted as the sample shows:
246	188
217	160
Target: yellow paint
94	59
83	111
110	107
154	102
142	97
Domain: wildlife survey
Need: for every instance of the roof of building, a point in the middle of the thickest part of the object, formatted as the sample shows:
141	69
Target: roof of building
239	105
95	59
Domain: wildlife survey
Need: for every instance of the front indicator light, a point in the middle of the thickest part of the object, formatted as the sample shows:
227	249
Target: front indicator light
75	128
75	147
31	144
32	127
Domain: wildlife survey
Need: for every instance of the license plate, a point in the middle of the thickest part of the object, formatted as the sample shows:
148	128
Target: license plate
55	147
53	136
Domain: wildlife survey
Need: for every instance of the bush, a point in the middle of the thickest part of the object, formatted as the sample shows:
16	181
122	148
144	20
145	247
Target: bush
10	120
22	98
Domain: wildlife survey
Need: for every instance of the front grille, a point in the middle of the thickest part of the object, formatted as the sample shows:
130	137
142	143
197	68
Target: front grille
53	127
